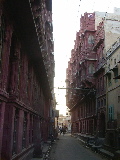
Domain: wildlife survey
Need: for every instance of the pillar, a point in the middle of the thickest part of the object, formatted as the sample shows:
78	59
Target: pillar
37	138
20	131
8	132
2	110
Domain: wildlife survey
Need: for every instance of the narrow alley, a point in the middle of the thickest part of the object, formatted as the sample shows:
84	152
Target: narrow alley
69	148
59	72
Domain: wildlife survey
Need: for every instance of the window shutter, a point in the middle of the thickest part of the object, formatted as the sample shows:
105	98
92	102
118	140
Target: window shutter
111	112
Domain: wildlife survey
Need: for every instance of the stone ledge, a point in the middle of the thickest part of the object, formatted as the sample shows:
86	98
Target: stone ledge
106	153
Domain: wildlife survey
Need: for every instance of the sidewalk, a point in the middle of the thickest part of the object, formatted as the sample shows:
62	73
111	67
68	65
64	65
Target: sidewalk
96	148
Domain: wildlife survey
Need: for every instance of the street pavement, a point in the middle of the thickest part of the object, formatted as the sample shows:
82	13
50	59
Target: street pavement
69	148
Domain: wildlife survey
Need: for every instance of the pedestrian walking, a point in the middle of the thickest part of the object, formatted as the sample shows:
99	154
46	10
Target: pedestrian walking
60	130
63	130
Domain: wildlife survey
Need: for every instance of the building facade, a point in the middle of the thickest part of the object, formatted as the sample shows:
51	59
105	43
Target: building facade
90	84
26	77
112	73
80	78
100	79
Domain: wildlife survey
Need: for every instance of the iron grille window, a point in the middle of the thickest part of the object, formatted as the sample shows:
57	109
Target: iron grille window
15	131
24	131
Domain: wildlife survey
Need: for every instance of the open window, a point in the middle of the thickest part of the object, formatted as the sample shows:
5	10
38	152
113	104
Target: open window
115	70
109	80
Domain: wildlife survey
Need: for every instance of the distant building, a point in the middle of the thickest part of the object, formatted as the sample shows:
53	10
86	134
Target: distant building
68	120
81	96
64	121
93	64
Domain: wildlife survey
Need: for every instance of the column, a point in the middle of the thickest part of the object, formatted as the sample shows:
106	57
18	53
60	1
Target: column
37	138
2	110
20	130
8	132
88	127
28	130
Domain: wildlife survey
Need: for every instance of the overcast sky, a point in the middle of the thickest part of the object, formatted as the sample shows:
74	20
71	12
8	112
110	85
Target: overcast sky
66	21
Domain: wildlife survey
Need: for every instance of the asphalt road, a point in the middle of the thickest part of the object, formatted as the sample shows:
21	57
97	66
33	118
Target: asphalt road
69	148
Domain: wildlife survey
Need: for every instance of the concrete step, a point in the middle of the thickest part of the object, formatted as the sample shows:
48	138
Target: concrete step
45	151
106	153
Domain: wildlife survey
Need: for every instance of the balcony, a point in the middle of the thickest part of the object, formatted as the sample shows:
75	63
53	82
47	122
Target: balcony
97	43
99	68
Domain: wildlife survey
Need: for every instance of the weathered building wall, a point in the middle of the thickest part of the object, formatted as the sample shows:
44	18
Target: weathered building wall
26	79
100	80
80	77
112	95
98	32
111	26
112	30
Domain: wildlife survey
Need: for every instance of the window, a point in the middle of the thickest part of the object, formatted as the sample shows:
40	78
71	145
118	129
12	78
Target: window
101	84
15	131
118	99
98	86
115	74
98	104
108	67
101	103
31	130
49	5
110	112
90	15
104	102
91	39
109	80
83	72
91	68
24	131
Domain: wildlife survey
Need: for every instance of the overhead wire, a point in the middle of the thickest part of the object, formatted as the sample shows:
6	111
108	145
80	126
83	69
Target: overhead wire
78	17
